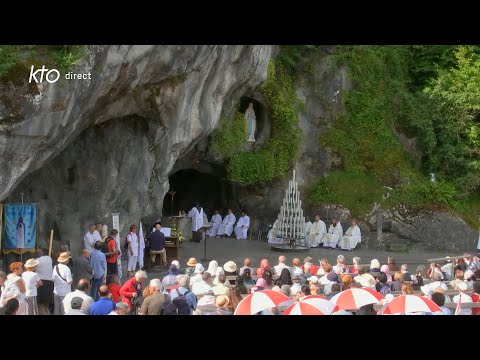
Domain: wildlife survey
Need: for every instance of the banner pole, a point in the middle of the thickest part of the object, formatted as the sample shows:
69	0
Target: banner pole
50	246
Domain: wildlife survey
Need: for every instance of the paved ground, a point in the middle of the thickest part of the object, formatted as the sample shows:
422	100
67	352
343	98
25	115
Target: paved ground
225	249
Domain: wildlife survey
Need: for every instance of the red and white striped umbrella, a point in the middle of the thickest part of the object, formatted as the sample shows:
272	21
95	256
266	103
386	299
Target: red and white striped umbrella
259	301
408	304
355	298
311	305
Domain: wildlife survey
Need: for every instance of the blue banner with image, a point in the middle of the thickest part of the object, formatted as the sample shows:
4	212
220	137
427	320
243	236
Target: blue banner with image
20	226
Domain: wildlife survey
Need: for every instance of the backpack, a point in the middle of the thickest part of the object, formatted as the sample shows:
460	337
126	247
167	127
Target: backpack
385	289
104	248
125	244
178	306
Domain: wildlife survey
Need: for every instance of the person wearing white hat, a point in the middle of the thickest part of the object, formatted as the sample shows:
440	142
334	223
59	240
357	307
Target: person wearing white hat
62	280
32	281
367	281
463	298
198	272
230	268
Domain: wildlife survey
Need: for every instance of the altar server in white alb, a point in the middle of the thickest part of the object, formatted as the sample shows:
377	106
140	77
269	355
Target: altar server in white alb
242	226
335	233
317	232
352	237
197	222
215	221
141	247
272	234
308	225
226	227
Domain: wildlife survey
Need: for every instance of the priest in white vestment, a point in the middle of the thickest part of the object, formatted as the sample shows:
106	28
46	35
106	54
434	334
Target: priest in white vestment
352	237
226	227
272	234
215	222
317	232
242	226
335	233
197	222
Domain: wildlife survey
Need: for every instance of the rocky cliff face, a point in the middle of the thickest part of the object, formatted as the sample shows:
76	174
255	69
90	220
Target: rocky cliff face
87	148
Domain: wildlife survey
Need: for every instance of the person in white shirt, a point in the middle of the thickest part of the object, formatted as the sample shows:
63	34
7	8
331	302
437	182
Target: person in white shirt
281	265
91	237
32	281
241	229
98	231
308	225
464	298
297	267
133	248
317	233
62	280
197	277
226	227
335	232
221	289
215	222
352	237
341	267
448	268
203	286
45	291
81	292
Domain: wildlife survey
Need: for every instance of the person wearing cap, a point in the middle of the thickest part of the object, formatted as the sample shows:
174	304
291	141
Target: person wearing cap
81	291
177	264
132	288
120	309
367	281
32	281
230	268
75	306
197	277
62	280
191	264
463	297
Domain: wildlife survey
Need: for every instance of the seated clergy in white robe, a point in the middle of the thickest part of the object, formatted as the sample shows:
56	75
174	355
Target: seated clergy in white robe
335	233
226	227
242	226
317	232
272	234
352	237
215	222
308	225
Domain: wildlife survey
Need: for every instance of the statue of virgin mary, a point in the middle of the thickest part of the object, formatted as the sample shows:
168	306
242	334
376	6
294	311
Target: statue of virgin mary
251	123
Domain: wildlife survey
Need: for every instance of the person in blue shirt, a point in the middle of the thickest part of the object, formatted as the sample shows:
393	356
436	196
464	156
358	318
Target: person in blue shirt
98	261
183	281
105	304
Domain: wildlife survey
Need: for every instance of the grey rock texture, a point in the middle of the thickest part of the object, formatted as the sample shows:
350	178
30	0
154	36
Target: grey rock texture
145	107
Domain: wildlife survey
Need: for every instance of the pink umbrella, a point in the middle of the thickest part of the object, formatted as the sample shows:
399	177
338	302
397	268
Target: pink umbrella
259	301
311	305
355	298
408	304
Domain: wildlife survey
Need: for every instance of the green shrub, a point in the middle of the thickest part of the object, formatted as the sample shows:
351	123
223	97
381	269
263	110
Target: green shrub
7	58
357	192
275	159
230	136
68	55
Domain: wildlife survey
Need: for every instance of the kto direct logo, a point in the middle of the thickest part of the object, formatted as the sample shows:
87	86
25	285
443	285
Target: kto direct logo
52	75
